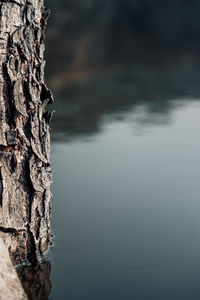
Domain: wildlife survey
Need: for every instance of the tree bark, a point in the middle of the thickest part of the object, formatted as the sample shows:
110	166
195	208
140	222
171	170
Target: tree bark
10	286
25	171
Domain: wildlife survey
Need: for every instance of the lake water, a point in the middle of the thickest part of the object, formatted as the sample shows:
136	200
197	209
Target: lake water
126	196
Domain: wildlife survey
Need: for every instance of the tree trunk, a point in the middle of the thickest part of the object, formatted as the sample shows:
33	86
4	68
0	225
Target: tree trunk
10	286
25	172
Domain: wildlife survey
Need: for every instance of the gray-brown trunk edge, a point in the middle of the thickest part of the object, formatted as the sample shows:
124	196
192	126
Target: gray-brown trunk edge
25	170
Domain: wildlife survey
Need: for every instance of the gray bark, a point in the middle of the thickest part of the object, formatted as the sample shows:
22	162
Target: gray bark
25	172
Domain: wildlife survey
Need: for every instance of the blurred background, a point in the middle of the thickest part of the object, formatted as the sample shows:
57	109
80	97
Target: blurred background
110	50
125	75
98	35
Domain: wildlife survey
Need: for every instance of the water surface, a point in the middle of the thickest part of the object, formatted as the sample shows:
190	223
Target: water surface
126	201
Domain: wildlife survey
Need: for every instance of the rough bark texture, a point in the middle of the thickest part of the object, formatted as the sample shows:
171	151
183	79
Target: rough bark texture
25	172
36	280
10	286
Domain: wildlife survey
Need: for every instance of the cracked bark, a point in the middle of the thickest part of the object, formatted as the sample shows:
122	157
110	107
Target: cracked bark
25	171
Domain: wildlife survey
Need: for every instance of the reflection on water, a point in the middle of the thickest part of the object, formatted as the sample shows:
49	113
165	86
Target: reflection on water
126	188
125	155
83	106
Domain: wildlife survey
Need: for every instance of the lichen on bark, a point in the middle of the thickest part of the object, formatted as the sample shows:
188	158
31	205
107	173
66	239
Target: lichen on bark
25	171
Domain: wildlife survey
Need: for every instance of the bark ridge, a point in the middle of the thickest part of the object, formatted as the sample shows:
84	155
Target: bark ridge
25	171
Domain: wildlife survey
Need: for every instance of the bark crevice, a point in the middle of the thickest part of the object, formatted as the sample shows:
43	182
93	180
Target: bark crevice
25	170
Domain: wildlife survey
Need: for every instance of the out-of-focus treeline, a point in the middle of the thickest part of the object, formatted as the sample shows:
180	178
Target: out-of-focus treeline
96	34
108	57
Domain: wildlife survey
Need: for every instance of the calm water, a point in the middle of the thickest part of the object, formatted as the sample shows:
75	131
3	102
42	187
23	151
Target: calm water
126	205
125	149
